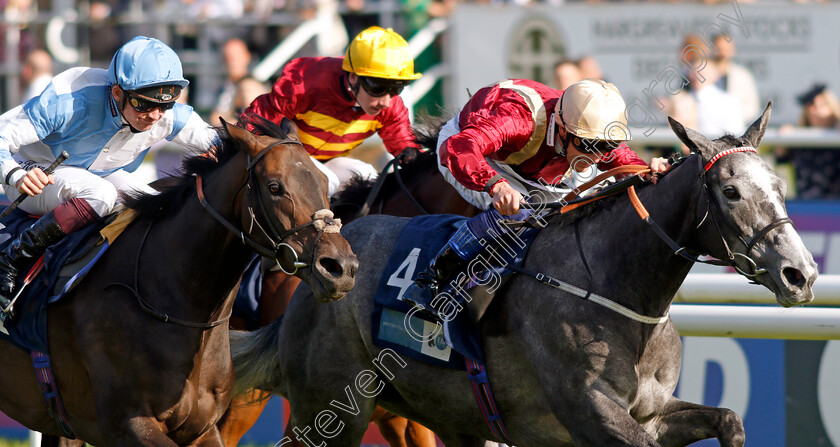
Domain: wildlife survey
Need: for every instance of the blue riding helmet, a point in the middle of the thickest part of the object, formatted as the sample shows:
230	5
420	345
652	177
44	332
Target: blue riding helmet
146	62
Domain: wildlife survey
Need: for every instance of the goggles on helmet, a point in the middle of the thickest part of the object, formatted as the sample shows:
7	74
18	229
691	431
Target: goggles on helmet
377	87
143	105
590	146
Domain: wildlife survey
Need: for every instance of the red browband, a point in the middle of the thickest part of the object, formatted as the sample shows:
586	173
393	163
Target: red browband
727	152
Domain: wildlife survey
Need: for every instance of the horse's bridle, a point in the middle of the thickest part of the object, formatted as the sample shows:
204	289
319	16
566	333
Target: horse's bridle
322	220
710	200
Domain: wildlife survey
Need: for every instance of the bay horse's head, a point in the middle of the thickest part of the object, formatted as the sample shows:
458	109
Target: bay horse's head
286	210
745	217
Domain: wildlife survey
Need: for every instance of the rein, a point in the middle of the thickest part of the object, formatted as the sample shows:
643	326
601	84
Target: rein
322	221
570	202
377	187
148	308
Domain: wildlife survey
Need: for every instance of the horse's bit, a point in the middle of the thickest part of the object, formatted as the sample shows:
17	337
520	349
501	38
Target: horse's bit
322	220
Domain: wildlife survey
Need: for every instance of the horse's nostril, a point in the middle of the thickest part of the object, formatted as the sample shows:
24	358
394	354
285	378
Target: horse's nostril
332	266
793	276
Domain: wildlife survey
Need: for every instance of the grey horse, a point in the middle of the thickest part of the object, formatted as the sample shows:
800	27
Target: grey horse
564	370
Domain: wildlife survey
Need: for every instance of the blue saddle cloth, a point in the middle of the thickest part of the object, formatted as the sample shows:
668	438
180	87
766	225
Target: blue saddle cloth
418	337
29	328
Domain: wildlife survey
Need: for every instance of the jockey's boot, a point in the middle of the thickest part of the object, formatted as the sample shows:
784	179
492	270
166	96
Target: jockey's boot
30	244
461	247
427	284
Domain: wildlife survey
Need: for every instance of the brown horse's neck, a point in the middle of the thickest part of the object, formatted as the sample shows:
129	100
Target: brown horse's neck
424	182
193	236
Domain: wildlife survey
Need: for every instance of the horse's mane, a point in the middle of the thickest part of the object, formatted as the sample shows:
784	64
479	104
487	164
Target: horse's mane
353	195
180	185
427	129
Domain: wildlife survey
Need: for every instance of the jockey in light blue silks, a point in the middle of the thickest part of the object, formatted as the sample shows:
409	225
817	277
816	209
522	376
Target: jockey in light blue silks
106	120
517	138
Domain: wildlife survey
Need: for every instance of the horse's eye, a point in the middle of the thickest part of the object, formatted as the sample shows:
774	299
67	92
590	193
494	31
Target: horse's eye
731	193
276	188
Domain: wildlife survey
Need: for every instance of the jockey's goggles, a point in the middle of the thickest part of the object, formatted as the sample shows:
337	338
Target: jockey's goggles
143	105
597	147
378	87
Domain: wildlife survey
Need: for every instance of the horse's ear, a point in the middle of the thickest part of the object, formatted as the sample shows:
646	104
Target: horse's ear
756	130
694	140
289	128
240	134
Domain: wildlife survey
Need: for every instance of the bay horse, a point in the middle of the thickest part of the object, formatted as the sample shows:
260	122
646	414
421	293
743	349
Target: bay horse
409	190
140	347
564	370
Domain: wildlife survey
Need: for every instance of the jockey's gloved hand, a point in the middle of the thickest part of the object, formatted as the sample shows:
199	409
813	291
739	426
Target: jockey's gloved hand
408	155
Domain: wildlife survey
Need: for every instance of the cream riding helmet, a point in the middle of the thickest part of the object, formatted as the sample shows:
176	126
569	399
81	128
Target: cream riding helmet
382	61
593	113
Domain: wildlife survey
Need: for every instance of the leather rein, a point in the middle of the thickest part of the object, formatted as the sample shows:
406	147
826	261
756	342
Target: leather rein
377	187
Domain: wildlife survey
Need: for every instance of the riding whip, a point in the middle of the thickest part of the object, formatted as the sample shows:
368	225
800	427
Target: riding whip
64	156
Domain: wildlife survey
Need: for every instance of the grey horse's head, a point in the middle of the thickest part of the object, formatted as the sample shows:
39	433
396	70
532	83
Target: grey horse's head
747	208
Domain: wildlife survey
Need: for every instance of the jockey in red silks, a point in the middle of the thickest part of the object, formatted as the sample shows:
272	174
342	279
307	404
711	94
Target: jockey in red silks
106	120
516	138
337	103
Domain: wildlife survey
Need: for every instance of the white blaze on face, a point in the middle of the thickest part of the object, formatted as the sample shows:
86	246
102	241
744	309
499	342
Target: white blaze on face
763	178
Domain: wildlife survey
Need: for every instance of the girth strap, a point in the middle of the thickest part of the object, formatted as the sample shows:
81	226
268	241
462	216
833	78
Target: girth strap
49	388
486	401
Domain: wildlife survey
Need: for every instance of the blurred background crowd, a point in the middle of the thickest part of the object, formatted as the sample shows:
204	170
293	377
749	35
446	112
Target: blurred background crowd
233	50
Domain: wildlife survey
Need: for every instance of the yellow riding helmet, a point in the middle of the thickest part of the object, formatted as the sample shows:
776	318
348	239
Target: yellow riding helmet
380	53
593	109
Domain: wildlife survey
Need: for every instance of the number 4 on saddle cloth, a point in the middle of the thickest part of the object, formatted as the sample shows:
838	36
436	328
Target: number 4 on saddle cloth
64	264
448	322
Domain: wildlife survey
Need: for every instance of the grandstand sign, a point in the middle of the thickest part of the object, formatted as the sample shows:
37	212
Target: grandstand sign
788	46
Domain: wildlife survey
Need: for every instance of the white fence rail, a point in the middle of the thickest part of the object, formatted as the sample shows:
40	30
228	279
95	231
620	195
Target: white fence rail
802	323
726	305
721	288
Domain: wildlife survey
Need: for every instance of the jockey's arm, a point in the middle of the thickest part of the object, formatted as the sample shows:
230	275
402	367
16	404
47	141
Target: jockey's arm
396	131
16	130
623	155
198	135
509	125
